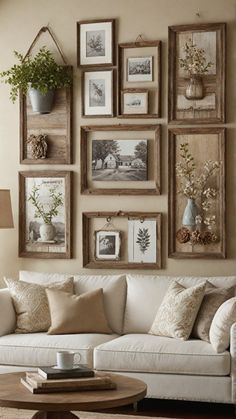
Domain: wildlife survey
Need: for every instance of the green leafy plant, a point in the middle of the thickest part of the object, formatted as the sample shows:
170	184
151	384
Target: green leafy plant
40	72
52	208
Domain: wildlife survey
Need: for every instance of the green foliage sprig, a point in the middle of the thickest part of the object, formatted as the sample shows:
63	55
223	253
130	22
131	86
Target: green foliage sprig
55	202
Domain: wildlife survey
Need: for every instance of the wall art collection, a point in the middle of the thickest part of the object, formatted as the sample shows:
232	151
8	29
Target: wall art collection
125	159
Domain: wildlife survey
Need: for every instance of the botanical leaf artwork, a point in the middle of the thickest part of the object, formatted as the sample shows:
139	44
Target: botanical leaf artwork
46	212
143	239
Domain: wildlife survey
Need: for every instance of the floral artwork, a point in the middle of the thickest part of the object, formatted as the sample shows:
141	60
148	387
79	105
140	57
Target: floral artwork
142	241
194	61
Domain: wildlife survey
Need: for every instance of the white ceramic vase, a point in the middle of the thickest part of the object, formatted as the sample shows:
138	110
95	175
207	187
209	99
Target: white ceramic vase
190	213
47	232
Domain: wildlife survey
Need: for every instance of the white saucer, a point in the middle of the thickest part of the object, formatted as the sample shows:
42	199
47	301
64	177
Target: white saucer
66	369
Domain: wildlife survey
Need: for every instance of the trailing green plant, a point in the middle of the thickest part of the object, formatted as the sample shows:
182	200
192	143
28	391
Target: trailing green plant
52	208
40	72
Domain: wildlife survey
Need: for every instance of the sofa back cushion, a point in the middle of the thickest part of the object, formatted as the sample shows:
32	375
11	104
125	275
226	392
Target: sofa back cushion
146	292
114	291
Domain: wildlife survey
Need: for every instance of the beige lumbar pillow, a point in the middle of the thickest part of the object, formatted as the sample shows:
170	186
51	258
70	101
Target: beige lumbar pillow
31	303
77	313
212	300
178	310
221	325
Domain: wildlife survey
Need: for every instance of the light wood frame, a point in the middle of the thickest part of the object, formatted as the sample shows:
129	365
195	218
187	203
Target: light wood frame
88	256
84	147
213	83
113	94
23	252
156	90
214	253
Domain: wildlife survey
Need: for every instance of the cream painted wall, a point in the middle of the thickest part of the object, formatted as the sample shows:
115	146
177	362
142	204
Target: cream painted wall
19	22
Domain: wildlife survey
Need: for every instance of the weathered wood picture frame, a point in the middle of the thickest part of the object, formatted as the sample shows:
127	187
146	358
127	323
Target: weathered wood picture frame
144	233
98	93
145	60
101	178
196	215
196	88
45	214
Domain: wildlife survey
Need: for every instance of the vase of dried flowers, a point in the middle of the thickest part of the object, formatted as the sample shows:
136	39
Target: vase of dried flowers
194	88
190	213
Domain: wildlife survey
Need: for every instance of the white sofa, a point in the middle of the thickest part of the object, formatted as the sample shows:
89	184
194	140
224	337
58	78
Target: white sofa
172	369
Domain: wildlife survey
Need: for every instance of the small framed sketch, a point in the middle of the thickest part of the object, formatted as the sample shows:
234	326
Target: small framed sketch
139	79
120	159
196	89
134	242
98	93
45	214
134	101
96	43
107	245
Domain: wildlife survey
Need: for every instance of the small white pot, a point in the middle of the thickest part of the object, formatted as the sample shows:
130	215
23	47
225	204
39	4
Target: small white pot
47	232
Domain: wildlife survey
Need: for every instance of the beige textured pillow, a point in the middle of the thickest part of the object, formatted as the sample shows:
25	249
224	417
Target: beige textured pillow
221	325
178	310
77	313
31	303
213	298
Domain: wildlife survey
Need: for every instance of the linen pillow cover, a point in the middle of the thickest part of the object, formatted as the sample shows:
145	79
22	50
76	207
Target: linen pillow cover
77	313
31	303
178	310
221	325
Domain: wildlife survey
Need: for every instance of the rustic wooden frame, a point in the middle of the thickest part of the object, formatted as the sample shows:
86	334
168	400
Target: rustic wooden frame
113	49
119	264
219	82
172	229
95	245
142	91
54	122
68	214
141	44
113	94
118	191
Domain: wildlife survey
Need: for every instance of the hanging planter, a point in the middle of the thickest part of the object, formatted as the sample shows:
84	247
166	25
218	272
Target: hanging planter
194	88
41	103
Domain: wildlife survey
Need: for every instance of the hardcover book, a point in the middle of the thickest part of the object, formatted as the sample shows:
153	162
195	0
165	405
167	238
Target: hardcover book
54	372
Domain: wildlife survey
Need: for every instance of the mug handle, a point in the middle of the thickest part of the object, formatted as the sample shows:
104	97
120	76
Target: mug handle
78	353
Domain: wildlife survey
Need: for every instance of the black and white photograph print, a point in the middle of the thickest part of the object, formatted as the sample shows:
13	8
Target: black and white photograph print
98	93
142	239
139	69
107	245
95	42
119	160
134	101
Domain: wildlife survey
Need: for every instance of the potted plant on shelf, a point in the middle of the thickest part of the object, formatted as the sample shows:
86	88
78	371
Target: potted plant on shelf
40	76
196	65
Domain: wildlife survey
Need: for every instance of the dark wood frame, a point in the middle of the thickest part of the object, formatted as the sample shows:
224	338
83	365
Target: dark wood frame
123	92
220	72
64	159
68	214
118	191
172	194
141	44
113	94
87	216
113	49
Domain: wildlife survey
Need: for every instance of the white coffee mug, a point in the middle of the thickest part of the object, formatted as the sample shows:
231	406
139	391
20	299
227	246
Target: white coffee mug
65	359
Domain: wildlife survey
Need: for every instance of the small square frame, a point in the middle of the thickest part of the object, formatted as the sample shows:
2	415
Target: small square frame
135	93
117	243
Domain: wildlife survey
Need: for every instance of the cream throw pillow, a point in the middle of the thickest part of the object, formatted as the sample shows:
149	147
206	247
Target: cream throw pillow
178	310
31	303
221	325
77	313
213	298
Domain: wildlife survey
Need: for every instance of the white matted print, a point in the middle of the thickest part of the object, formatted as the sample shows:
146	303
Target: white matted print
96	43
139	69
107	245
98	93
134	102
142	238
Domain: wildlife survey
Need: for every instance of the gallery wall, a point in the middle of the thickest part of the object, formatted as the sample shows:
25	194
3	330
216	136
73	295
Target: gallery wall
19	23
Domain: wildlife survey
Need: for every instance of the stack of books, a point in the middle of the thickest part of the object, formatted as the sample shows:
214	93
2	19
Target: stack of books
51	380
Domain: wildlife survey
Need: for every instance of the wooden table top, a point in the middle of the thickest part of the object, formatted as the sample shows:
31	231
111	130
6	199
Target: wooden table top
14	394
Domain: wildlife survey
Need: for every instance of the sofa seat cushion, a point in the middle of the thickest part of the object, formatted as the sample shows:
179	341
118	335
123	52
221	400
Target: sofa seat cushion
35	349
158	354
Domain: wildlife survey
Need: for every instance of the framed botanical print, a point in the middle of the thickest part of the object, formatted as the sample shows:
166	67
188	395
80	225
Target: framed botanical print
98	93
96	43
196	90
45	214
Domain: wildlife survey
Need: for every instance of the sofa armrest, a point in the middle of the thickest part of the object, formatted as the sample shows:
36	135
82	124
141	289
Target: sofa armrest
7	313
233	360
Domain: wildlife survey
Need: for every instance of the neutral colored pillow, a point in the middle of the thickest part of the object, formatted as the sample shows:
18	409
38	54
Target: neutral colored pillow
77	313
221	325
31	303
213	298
178	310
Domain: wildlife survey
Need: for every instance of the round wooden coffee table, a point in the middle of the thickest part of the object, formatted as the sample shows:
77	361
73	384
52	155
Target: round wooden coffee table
58	405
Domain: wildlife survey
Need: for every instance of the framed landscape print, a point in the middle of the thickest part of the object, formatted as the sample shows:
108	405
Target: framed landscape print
197	193
196	89
139	79
96	43
45	214
98	93
120	159
133	242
